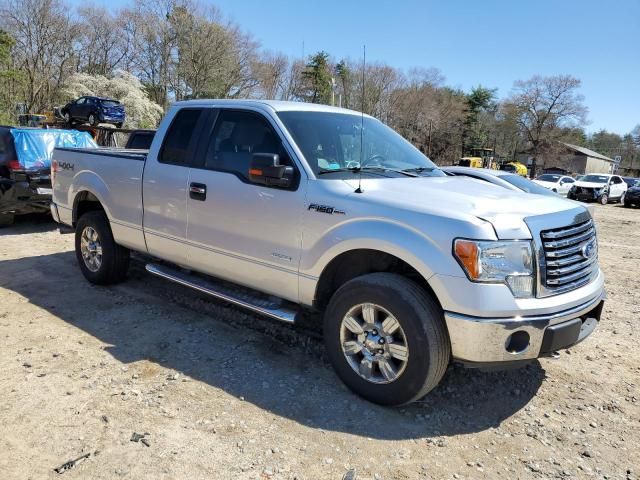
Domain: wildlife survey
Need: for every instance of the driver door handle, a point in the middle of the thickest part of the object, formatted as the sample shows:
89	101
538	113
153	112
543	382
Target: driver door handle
198	191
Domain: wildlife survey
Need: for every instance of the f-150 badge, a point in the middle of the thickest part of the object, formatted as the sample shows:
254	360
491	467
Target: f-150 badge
325	209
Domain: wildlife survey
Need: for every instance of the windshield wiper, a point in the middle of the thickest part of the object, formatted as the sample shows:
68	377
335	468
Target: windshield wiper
419	169
407	173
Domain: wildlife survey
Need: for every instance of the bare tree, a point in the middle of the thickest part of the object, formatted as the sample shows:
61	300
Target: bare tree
45	34
542	108
104	40
270	70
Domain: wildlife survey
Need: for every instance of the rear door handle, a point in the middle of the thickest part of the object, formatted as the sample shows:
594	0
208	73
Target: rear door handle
198	191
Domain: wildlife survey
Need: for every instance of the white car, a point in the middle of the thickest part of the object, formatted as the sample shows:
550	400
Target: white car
601	187
555	182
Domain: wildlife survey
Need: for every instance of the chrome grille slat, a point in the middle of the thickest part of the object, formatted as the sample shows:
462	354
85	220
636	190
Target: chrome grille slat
566	278
571	268
565	251
570	241
568	231
561	262
565	266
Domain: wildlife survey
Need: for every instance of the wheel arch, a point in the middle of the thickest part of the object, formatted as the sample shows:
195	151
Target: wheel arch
355	262
83	202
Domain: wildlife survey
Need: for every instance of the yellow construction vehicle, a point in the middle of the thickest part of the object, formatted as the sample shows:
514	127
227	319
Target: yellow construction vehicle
479	158
515	167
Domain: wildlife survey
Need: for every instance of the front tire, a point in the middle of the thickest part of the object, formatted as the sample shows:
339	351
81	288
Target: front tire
604	199
93	121
386	338
101	259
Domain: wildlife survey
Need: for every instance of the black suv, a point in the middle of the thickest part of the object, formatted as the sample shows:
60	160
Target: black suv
21	190
94	110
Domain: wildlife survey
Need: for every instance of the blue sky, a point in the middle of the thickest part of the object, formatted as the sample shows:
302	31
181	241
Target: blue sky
487	42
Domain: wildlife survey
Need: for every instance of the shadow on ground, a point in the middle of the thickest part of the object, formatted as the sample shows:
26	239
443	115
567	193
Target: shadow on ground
269	364
31	223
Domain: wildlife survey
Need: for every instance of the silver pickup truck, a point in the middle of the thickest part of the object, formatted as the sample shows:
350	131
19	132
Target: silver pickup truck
288	208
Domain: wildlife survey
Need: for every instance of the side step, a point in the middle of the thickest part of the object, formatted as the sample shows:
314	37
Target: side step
243	297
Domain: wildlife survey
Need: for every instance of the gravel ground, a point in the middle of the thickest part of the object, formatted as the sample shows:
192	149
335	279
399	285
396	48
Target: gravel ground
216	393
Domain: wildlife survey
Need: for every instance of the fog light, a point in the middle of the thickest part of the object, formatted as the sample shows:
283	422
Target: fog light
517	342
521	285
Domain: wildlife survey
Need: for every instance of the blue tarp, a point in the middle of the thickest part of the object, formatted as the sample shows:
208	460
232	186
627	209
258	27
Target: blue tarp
34	146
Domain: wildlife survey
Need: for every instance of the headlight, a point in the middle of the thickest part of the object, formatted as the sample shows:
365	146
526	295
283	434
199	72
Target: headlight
508	262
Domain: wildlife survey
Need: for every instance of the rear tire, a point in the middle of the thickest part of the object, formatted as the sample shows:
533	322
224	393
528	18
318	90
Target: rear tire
101	259
422	336
6	219
93	121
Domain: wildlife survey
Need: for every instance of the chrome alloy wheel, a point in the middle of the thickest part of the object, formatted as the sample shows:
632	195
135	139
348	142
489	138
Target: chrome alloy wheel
91	249
374	343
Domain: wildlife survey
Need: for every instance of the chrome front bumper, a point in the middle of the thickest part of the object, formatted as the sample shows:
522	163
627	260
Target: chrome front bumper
476	340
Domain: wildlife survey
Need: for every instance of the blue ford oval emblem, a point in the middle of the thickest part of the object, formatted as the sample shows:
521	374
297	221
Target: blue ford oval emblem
589	250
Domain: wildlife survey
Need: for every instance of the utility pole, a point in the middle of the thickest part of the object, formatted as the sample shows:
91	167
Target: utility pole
429	143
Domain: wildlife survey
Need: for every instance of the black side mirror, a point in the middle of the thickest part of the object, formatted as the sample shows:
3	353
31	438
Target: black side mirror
265	169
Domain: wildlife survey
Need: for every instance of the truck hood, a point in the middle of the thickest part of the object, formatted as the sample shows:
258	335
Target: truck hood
589	184
462	196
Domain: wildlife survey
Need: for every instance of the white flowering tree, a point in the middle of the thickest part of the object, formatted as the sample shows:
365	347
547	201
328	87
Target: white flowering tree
142	112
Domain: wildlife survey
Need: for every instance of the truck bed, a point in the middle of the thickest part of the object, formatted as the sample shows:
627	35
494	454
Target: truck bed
113	176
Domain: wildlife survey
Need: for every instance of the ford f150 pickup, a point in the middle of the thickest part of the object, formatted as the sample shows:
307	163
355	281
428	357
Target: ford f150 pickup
285	208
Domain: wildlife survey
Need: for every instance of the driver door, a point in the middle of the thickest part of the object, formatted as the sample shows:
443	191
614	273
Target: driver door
237	230
75	110
617	187
565	185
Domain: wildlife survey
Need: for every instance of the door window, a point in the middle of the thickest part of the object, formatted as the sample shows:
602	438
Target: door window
236	137
80	101
176	146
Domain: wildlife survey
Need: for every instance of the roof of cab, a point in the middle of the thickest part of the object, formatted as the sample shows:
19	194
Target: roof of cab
275	105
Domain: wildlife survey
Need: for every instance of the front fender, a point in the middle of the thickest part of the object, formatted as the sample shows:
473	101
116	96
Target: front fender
425	254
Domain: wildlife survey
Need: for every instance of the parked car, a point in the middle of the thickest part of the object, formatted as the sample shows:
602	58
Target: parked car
503	178
600	187
140	139
273	207
25	162
555	182
633	196
631	182
506	180
94	110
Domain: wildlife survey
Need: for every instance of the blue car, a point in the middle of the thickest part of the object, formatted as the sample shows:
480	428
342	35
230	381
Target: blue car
94	110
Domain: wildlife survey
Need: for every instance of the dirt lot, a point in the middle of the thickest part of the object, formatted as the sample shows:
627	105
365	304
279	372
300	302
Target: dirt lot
221	394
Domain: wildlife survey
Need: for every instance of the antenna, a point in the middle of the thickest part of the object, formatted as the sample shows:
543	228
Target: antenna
364	62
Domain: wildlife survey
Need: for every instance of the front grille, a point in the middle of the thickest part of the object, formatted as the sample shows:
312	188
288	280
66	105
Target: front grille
571	256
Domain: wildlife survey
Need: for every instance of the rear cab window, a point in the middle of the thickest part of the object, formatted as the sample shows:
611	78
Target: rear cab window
178	147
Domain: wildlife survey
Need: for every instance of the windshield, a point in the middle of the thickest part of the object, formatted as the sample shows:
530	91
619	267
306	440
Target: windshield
527	185
549	178
109	103
595	178
330	142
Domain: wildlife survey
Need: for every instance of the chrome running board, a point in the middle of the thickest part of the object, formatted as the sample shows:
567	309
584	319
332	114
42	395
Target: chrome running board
257	302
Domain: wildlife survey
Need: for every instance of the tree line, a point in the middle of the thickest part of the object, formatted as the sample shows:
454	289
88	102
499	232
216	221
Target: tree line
179	49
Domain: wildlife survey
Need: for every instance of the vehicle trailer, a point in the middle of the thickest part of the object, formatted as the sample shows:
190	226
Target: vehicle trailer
287	208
